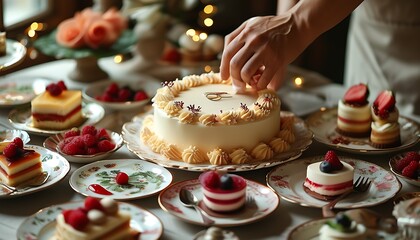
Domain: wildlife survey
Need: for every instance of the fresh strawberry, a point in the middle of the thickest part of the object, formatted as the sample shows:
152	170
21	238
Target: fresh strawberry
93	203
410	171
122	178
357	95
332	158
18	141
384	104
210	179
77	219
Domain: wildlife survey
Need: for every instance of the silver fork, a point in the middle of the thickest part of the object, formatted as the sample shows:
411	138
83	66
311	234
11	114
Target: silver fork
361	185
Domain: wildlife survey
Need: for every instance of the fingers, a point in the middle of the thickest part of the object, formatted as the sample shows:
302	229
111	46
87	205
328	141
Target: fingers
229	51
277	80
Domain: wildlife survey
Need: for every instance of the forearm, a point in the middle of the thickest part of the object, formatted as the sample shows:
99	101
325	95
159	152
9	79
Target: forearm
284	5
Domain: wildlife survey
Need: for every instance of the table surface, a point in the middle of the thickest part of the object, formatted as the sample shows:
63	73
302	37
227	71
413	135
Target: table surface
275	226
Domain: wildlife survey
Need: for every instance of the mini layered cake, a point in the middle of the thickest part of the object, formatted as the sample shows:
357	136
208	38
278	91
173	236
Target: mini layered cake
329	178
97	219
18	165
223	192
385	127
57	108
342	227
354	116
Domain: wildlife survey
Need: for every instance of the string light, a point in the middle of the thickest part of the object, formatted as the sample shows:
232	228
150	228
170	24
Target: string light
208	22
118	58
298	82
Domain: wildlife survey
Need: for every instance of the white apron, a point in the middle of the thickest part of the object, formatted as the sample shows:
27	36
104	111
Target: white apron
383	50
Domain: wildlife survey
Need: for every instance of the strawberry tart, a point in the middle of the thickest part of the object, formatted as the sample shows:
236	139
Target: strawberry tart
97	219
57	108
18	164
385	127
354	115
342	227
329	178
223	192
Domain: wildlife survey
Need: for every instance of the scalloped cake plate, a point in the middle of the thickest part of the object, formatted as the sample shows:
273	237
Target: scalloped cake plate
151	178
15	53
265	202
131	136
287	181
53	163
323	124
21	118
17	91
41	225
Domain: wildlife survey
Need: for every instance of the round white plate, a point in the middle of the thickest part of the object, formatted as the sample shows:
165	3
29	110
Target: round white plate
131	136
323	124
52	142
392	162
7	135
53	163
265	202
146	178
21	118
18	91
41	225
287	180
148	85
15	52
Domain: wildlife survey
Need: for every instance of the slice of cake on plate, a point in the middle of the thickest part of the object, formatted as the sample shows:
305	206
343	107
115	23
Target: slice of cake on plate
57	108
18	164
329	178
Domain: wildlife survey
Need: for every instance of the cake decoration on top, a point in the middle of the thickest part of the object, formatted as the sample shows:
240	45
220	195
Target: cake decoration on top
342	227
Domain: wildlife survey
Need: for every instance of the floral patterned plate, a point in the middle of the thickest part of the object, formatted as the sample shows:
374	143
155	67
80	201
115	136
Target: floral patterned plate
53	163
41	225
98	179
287	180
21	119
324	123
131	136
264	203
19	91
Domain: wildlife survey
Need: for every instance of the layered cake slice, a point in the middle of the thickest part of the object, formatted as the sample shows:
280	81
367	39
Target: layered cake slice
385	127
342	227
223	192
18	165
57	108
329	178
97	219
354	112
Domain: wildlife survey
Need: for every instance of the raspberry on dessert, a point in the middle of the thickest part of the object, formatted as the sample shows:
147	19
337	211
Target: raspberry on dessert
93	203
122	178
77	219
357	95
54	89
210	179
11	151
332	158
62	85
410	171
384	104
18	141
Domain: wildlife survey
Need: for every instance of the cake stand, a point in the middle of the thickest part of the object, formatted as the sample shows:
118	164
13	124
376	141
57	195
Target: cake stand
15	53
86	68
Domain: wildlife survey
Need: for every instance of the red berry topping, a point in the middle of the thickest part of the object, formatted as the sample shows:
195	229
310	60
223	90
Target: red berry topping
210	179
89	129
11	151
62	85
77	219
332	158
384	104
93	203
140	96
18	141
357	95
122	178
54	89
411	170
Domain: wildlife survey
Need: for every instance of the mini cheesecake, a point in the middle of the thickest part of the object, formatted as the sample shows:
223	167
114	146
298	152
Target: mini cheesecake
27	166
57	112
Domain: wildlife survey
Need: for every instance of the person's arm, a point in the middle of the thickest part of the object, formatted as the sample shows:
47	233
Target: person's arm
285	5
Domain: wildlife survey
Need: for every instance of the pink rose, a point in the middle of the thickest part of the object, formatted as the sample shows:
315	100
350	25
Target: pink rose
100	34
114	17
70	34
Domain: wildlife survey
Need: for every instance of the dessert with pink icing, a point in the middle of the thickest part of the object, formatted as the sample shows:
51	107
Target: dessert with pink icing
97	219
329	178
342	227
385	127
200	119
354	116
223	192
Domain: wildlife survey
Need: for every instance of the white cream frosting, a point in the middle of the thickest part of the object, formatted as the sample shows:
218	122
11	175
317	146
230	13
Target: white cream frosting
353	118
328	233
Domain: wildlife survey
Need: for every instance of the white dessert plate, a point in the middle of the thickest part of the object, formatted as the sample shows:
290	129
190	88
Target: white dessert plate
7	135
41	225
52	144
393	161
148	85
15	52
21	118
131	136
310	230
53	163
264	203
287	180
98	179
18	91
323	124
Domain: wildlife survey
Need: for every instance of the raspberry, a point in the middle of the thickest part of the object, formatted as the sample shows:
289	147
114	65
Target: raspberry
401	164
112	89
77	219
140	96
54	89
92	150
411	170
412	155
18	141
89	140
72	132
70	149
332	158
11	151
102	134
62	85
210	179
89	129
124	95
122	178
105	145
93	203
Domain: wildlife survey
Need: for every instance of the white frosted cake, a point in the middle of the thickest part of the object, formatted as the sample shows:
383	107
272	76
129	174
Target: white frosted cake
200	119
342	227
